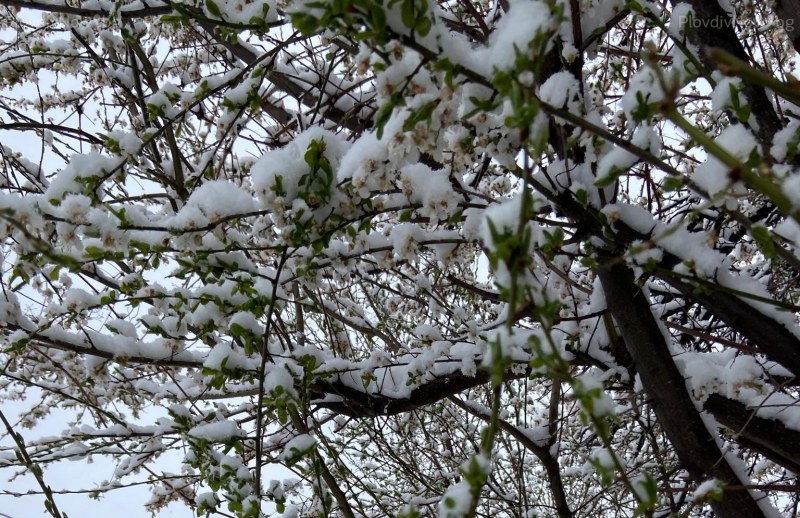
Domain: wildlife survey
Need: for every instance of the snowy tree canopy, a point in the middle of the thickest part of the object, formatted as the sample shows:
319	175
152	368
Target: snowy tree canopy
404	258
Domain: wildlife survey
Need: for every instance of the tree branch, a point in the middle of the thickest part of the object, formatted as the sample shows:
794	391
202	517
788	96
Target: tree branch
666	387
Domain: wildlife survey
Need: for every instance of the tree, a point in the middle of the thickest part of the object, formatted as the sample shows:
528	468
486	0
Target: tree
473	258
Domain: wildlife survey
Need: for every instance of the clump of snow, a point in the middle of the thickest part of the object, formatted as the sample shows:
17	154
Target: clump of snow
791	188
721	97
361	161
211	202
282	169
163	101
708	490
129	143
74	208
248	321
431	189
404	240
513	34
784	140
679	20
243	11
604	459
427	332
593	398
619	159
278	378
122	327
80	168
645	89
456	501
297	447
218	431
562	90
223	356
504	217
594	15
713	176
207	499
741	378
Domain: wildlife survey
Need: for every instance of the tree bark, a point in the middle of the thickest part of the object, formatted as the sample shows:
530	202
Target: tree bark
713	27
666	390
788	11
768	437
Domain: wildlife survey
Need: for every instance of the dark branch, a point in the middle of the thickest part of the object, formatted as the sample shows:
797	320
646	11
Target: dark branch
666	388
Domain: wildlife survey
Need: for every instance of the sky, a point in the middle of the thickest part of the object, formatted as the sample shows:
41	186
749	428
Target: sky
81	474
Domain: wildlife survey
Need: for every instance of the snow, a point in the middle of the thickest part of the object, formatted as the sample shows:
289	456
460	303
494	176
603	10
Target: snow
562	91
603	458
707	490
791	188
431	189
405	237
741	378
288	163
80	169
645	88
248	321
721	98
713	176
297	447
224	357
122	327
504	217
620	160
512	35
242	11
785	139
129	143
360	161
594	400
456	501
596	14
211	202
679	20
218	431
75	208
439	332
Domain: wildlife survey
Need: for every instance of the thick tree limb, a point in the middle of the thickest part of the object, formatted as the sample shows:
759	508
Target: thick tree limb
357	403
713	27
770	337
666	388
789	13
768	437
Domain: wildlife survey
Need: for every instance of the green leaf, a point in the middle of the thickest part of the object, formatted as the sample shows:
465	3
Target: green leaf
378	17
408	14
582	197
672	183
421	115
423	26
174	19
644	110
610	178
94	253
306	23
213	8
761	235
